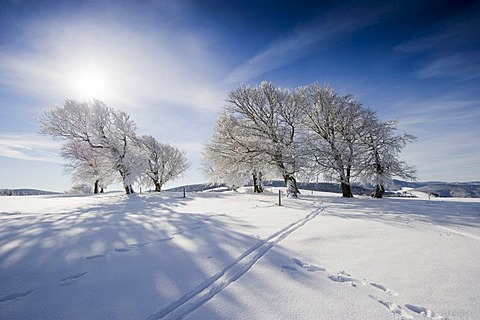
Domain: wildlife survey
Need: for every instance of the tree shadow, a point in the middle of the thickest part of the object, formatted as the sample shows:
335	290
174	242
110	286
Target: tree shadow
117	256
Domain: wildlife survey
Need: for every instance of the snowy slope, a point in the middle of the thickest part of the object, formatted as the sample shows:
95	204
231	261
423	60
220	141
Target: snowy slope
238	256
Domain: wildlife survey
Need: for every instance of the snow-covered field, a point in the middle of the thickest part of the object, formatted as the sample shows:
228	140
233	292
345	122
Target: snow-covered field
238	256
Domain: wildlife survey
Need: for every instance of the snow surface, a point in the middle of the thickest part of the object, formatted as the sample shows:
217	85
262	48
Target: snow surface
226	255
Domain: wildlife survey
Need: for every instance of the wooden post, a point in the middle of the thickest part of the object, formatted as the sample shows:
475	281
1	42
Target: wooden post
184	192
280	197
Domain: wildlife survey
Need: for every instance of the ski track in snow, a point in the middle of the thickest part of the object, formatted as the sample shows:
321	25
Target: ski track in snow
210	287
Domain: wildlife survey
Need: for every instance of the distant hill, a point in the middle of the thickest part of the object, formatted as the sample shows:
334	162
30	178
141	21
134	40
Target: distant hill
442	189
197	187
456	190
320	186
25	192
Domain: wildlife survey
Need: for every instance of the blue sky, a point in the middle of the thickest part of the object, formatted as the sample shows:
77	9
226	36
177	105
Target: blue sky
171	64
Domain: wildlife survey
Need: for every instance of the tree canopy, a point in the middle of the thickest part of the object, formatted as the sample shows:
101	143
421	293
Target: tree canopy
101	146
305	131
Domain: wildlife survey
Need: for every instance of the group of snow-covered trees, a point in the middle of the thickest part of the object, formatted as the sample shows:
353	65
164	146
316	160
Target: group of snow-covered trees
264	130
101	147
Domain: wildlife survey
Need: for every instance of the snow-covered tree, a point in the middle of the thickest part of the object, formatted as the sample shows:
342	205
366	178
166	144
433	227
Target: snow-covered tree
304	132
164	162
382	147
99	127
231	156
335	127
119	137
80	189
268	118
88	165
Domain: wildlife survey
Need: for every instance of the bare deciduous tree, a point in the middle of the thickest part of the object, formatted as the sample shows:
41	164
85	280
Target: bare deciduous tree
232	157
164	162
335	126
269	118
87	165
99	127
382	147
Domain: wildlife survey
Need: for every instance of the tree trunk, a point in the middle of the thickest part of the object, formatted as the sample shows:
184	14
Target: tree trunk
158	187
379	191
257	182
129	189
260	183
95	188
346	190
291	184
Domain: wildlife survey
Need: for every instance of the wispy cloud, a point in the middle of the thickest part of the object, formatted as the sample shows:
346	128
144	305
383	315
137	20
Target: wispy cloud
461	65
448	112
290	47
25	146
445	149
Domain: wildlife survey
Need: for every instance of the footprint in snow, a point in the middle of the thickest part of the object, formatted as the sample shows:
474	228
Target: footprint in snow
307	266
164	239
139	245
394	308
95	256
72	278
427	313
15	296
384	289
289	268
342	276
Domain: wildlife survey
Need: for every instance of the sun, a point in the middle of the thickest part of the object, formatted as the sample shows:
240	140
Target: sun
89	81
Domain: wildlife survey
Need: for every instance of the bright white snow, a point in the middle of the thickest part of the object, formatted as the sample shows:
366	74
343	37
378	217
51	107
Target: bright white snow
238	256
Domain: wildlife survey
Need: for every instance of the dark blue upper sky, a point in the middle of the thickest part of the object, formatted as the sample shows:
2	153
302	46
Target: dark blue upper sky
170	64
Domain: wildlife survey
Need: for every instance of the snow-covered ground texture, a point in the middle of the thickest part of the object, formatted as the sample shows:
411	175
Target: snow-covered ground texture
238	256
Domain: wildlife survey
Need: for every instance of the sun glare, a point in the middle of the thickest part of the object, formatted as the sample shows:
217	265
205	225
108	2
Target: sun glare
89	82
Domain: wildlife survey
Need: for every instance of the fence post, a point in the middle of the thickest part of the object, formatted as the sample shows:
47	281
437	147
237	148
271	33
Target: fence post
184	192
280	197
